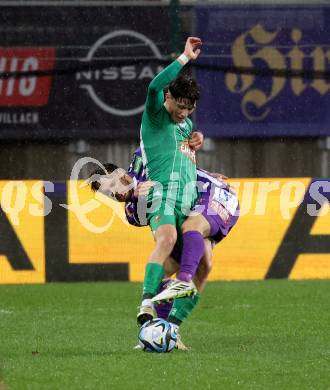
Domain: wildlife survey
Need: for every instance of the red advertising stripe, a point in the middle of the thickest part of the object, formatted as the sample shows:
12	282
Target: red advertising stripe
30	91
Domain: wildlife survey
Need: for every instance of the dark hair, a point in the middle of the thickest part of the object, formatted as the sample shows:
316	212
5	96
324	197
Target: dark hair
98	172
184	87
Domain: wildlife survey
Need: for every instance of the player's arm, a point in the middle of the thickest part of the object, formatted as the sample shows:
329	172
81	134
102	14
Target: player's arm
155	96
216	175
131	213
131	206
222	178
135	168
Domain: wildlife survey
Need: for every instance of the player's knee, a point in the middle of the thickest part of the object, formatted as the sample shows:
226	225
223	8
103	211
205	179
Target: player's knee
185	226
166	242
192	224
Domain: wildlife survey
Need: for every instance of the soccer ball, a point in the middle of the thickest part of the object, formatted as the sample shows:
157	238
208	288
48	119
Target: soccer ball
157	335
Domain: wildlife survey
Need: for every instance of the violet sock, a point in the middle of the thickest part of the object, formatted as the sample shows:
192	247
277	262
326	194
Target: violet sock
163	309
192	252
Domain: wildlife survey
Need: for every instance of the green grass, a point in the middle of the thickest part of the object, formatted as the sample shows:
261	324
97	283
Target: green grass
247	335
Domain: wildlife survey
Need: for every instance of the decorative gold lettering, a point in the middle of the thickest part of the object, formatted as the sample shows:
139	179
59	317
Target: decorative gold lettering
274	60
296	57
254	46
320	65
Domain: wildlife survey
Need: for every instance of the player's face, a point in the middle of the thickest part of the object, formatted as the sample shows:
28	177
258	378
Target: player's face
117	185
180	108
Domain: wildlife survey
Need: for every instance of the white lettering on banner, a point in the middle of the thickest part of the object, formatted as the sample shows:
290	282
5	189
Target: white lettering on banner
119	73
125	73
26	85
22	87
23	118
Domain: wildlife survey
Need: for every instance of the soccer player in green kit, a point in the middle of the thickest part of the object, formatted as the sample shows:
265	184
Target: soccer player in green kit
169	158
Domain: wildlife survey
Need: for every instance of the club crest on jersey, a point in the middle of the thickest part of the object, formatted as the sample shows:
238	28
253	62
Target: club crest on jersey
185	149
183	128
183	125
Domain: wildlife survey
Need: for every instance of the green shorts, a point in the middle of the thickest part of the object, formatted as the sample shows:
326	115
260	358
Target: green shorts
167	216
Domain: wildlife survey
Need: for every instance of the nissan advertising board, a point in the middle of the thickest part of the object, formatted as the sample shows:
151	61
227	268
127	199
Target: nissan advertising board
97	69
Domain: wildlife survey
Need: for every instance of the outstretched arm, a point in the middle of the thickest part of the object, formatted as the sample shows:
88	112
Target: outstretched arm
155	96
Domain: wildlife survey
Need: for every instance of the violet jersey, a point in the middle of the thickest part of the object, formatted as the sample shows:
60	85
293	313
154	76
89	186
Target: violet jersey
216	202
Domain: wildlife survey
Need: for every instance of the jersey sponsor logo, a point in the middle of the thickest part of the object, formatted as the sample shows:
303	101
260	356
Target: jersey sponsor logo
32	91
186	150
132	78
220	210
226	199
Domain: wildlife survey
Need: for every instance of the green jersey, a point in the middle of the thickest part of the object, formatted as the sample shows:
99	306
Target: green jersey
164	143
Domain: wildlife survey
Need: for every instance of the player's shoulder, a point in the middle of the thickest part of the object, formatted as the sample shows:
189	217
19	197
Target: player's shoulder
153	119
203	176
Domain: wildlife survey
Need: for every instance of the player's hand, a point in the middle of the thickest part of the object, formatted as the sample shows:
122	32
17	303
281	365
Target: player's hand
143	188
223	179
196	141
192	47
219	176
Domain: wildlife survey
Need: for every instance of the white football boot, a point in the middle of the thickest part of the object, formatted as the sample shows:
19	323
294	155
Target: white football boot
146	313
177	289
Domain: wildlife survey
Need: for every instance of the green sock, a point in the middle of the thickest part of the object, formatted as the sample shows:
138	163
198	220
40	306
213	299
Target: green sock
153	276
182	307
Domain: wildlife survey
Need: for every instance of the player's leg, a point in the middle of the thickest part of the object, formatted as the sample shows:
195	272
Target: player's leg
219	229
182	307
194	228
205	266
172	266
165	237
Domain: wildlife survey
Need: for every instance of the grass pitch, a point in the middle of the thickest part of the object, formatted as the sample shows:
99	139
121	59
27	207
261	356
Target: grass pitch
246	335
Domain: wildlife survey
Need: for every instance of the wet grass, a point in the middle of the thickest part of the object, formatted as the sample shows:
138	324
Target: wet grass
249	335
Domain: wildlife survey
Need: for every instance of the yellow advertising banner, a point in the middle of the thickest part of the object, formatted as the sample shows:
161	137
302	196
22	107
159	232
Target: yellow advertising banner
283	232
268	207
22	248
103	234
